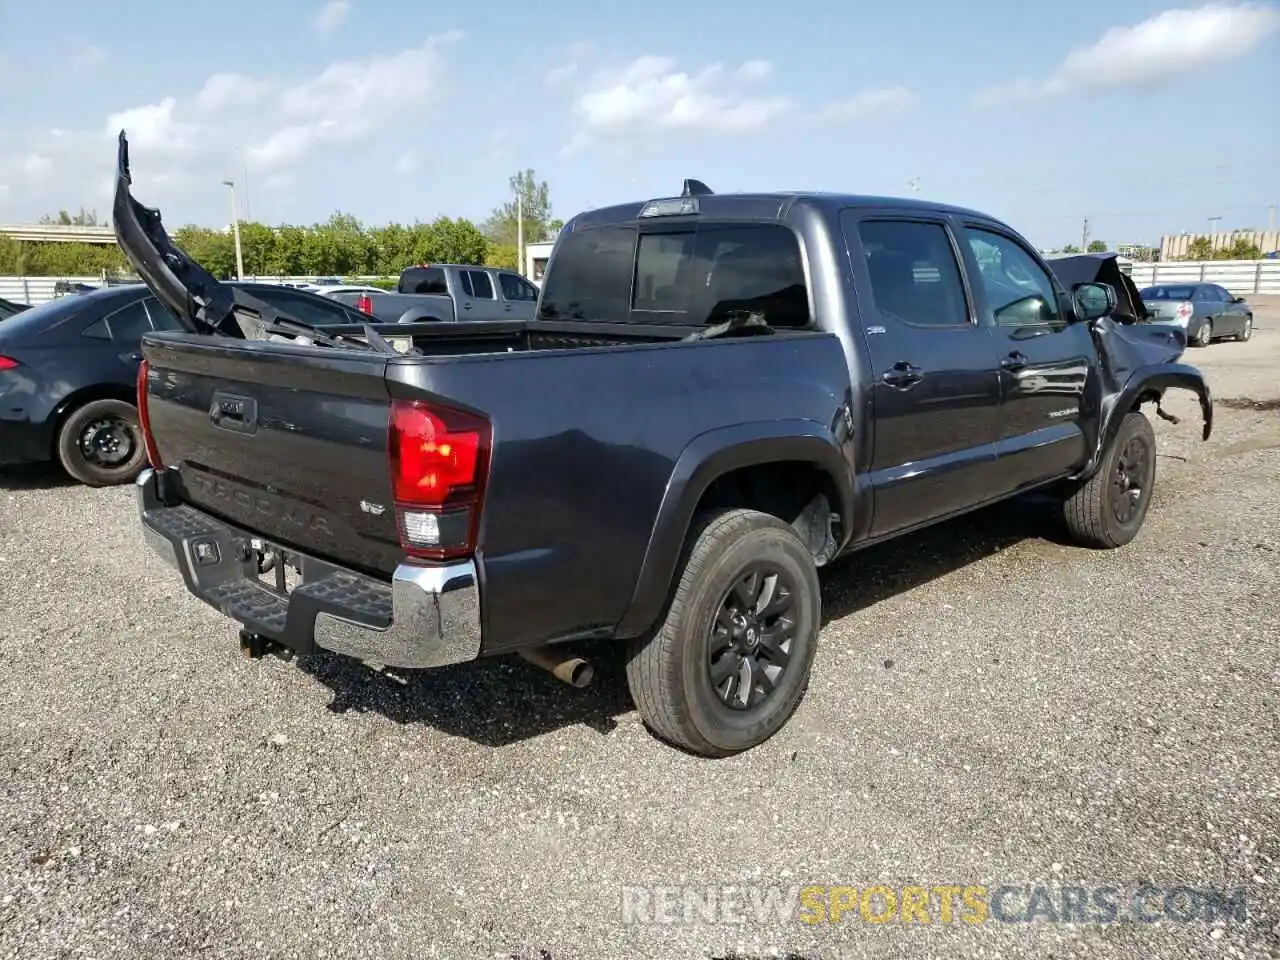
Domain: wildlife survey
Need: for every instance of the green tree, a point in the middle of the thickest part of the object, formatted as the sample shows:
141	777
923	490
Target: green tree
1097	246
1201	248
501	226
1070	248
1242	248
82	219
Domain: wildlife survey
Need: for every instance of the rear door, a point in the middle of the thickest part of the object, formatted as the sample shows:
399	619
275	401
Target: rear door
519	296
479	298
1046	358
936	392
119	335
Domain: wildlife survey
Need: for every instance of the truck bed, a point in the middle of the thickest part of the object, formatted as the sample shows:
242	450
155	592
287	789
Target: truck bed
575	479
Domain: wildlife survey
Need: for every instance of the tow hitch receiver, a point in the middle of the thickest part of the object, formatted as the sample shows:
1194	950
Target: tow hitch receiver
254	646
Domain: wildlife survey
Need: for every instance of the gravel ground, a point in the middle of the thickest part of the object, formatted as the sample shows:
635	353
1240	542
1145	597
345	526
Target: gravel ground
988	707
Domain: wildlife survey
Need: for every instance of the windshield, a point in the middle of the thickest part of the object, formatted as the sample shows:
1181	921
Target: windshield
1168	293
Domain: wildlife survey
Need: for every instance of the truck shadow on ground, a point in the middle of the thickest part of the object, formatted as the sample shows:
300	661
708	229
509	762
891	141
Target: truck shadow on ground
34	476
504	700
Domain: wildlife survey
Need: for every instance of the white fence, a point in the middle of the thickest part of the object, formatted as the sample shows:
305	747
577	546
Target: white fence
37	290
1241	277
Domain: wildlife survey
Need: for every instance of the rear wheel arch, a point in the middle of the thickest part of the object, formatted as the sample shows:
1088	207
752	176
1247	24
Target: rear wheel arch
790	470
77	399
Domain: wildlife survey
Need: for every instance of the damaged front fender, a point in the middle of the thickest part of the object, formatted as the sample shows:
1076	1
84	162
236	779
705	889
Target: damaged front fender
1139	362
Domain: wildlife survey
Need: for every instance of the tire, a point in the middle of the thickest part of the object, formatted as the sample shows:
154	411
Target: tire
1248	330
101	423
670	671
1204	336
1093	511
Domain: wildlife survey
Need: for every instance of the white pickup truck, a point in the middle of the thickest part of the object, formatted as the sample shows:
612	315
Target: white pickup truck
447	292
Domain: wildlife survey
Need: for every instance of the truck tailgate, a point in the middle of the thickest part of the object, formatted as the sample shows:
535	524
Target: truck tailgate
280	439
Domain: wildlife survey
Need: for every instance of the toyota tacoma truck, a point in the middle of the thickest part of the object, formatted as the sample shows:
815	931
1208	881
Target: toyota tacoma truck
719	395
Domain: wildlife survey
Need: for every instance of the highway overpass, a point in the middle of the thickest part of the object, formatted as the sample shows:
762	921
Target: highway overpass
57	233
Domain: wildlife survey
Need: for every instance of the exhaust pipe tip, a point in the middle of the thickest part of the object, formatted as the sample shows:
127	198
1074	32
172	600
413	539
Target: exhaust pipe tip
580	673
574	671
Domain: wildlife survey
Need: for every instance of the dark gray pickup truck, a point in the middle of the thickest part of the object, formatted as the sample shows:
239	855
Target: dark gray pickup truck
719	395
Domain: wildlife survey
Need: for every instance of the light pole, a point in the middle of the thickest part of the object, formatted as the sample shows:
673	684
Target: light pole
235	229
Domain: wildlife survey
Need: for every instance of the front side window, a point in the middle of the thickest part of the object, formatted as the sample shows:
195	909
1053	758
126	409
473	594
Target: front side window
517	288
1019	292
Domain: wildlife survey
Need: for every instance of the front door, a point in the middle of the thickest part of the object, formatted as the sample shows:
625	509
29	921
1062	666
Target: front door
935	384
1046	359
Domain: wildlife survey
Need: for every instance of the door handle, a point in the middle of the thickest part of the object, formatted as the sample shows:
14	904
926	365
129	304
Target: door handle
902	375
1014	361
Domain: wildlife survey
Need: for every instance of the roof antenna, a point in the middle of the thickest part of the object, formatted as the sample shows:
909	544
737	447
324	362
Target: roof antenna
695	188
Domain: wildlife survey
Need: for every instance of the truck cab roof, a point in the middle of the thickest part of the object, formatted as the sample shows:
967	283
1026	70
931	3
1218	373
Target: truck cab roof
762	206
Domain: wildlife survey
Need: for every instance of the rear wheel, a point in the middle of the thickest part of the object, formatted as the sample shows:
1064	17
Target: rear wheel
730	662
100	444
1108	510
1204	335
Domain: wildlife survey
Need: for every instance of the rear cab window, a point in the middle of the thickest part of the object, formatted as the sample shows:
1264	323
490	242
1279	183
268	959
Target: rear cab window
687	274
424	280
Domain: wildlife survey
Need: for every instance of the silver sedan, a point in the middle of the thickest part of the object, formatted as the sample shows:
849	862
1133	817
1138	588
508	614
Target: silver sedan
1206	311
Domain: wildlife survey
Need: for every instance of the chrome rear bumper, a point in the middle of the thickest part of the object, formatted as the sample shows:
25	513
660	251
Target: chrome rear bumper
427	616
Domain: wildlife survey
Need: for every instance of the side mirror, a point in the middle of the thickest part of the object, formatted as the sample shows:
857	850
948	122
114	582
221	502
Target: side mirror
1094	300
1237	299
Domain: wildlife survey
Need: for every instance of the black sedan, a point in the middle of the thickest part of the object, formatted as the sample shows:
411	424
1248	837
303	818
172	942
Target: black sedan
68	374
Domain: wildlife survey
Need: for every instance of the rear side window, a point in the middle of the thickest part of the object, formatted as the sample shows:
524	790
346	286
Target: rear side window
592	276
479	285
424	280
125	326
914	274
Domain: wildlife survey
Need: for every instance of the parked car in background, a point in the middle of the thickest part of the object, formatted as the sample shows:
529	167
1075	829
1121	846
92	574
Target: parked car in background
69	367
447	292
9	308
1206	311
354	289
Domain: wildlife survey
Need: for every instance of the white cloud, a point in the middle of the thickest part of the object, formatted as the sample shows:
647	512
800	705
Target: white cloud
1167	45
650	94
182	144
558	75
886	101
331	16
88	57
755	70
407	162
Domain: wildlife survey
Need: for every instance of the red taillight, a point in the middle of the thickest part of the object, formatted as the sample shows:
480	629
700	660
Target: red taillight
439	458
144	417
8	363
1185	310
364	304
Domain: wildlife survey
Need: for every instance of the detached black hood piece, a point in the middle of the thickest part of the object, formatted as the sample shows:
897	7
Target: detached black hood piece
191	293
1081	268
